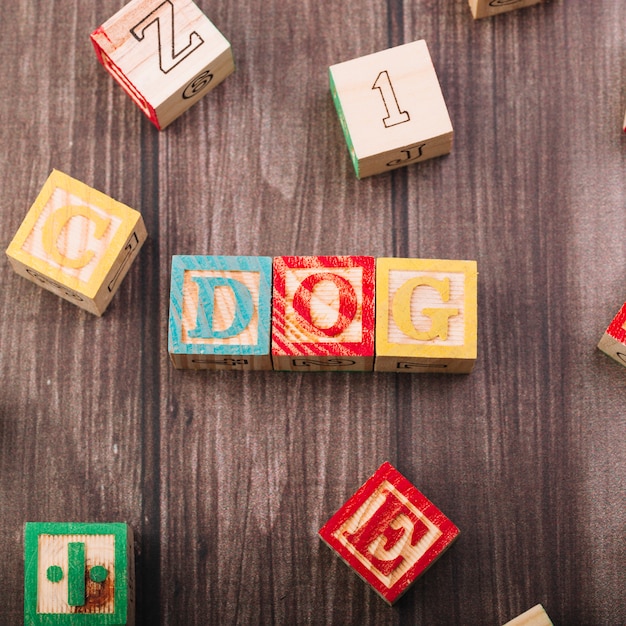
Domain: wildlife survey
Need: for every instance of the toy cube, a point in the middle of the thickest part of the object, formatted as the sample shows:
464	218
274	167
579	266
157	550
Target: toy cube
323	313
391	108
487	8
426	315
533	617
220	312
165	54
613	342
77	242
389	533
77	573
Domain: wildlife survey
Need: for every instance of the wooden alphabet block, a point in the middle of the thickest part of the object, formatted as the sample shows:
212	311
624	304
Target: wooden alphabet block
165	54
391	108
389	532
613	342
220	312
323	313
77	242
533	617
78	573
487	8
426	315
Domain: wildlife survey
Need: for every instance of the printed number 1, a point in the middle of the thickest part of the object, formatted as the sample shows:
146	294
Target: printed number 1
163	17
394	114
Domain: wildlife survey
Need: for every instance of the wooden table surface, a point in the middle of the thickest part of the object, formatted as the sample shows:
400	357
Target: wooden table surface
227	477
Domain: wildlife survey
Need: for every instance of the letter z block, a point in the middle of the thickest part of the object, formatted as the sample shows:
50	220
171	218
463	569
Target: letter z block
391	108
78	573
77	242
165	54
487	8
389	533
220	312
323	313
613	342
533	617
426	315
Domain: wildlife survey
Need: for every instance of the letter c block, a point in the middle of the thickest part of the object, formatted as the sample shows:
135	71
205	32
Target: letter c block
77	242
426	315
220	312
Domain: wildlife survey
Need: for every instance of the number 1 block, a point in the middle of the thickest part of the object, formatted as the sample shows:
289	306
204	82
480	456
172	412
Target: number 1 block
389	533
533	617
77	573
487	8
391	108
166	55
613	342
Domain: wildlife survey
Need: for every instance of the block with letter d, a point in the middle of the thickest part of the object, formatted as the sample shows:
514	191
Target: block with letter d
426	315
77	242
389	533
166	55
220	312
78	573
323	313
613	342
487	8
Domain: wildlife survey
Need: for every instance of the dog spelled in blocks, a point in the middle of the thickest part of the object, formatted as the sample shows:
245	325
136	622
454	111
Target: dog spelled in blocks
389	532
487	8
613	342
533	617
391	108
220	312
166	54
426	315
78	573
323	313
77	242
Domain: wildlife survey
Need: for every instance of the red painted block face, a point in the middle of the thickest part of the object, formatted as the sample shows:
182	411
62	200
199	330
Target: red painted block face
613	342
323	313
389	532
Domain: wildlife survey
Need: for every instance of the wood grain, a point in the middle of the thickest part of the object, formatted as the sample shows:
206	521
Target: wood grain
226	477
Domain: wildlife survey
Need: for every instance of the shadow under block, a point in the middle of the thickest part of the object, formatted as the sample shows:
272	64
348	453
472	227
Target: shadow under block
389	533
533	617
323	313
166	54
613	342
220	312
426	315
391	108
79	573
77	242
487	8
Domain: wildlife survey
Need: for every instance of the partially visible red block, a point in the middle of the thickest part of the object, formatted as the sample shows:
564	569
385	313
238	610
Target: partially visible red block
389	532
613	342
323	313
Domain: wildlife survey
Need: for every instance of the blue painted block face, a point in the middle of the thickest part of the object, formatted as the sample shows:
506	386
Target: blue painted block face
220	312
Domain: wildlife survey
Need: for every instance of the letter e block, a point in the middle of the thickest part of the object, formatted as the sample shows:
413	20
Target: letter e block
220	312
323	313
487	8
77	242
533	617
78	573
389	533
426	315
166	55
613	342
391	108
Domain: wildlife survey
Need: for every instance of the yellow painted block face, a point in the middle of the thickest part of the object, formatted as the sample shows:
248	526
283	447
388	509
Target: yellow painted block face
426	315
77	242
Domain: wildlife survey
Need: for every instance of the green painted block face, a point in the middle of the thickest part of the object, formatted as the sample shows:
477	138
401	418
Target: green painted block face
344	123
78	573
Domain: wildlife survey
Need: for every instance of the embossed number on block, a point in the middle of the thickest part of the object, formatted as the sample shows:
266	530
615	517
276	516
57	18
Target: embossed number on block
389	532
613	342
77	242
166	54
220	312
77	573
426	315
487	8
323	313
